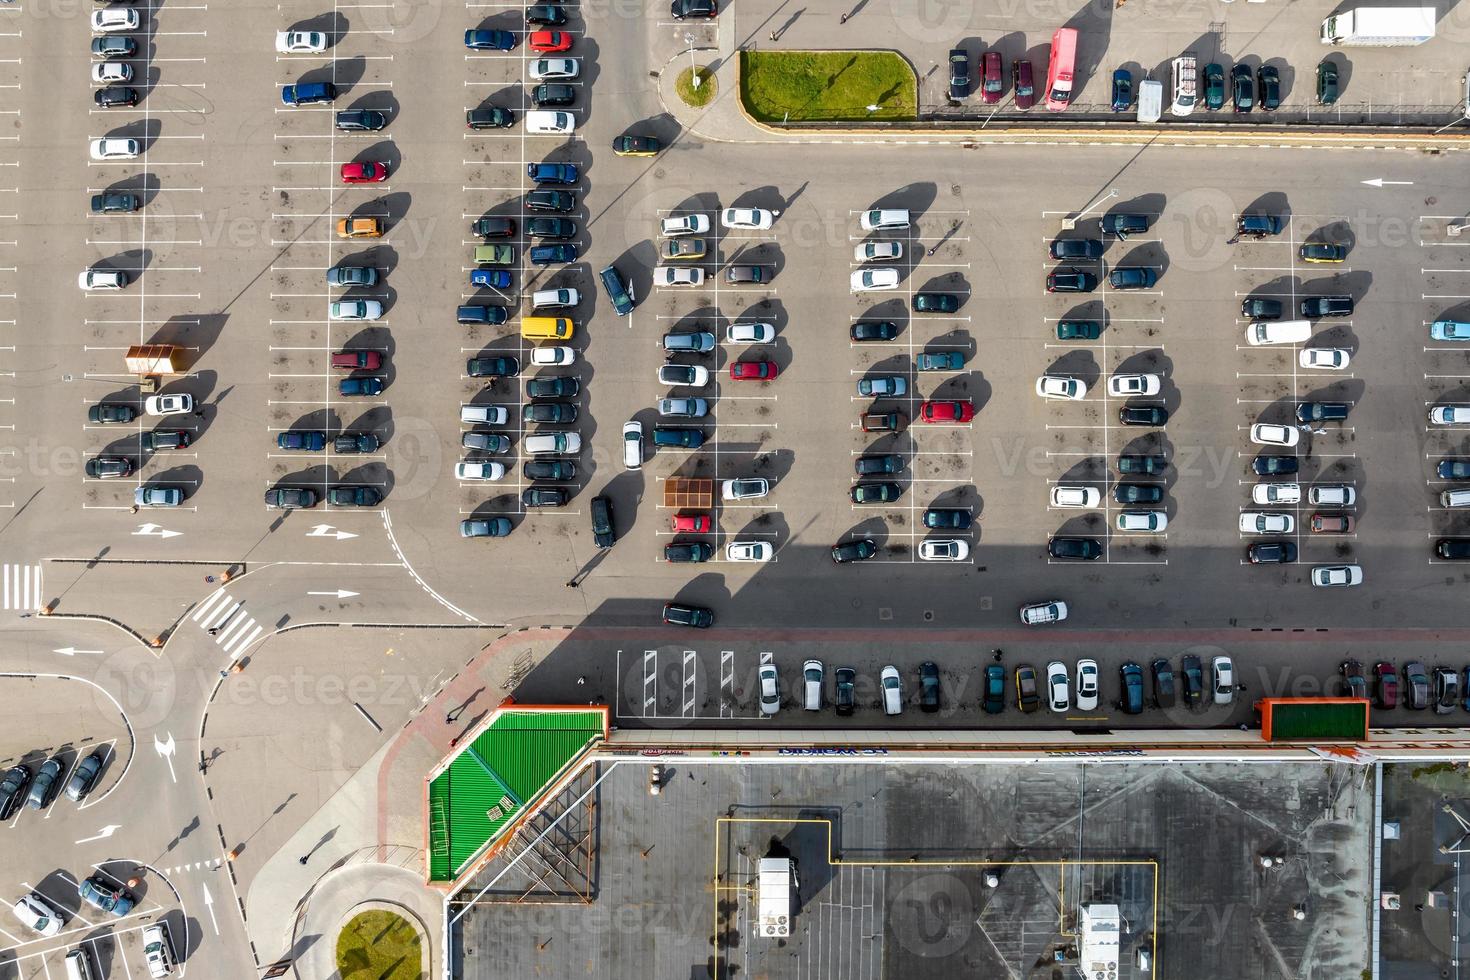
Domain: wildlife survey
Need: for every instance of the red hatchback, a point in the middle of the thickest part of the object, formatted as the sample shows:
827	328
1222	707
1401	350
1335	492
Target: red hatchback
992	82
546	41
752	370
366	172
1388	684
357	360
955	411
693	523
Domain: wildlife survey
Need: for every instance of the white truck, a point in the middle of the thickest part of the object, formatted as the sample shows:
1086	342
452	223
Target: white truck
776	886
1380	27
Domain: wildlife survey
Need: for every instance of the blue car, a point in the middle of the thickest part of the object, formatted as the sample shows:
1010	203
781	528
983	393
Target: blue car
1454	469
490	279
552	254
489	40
359	387
1122	90
305	442
552	173
1449	330
100	893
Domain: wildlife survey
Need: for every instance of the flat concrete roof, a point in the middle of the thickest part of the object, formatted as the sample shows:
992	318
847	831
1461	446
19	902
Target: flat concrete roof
894	863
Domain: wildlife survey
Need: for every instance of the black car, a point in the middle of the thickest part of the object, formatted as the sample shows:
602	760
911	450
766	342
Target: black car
84	776
1326	83
1322	411
693	8
878	465
1258	225
679	437
114	202
557	470
994	699
618	291
947	518
846	698
928	686
849	551
1271	553
353	443
1150	464
115	95
485	442
959	75
1261	309
494	117
1143	415
164	439
1122	225
936	303
1446	690
1194	680
1138	493
1243	88
677	614
484	527
106	414
629	145
868	330
1453	549
1074	549
1070	280
283	497
603	531
688	551
1325	306
551	228
878	492
1073	249
1268	79
1164	692
1275	465
553	386
551	254
552	413
493	227
544	497
1131	676
113	46
545	15
354	496
1354	679
481	313
553	94
360	121
13	790
562	201
492	367
108	467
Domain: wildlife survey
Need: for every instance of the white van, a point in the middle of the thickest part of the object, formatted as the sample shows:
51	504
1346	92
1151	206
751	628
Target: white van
1186	80
1039	613
1150	101
885	219
1265	332
484	414
78	964
551	299
1455	498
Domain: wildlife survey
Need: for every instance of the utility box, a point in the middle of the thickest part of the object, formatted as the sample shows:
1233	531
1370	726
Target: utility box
155	359
1380	27
776	886
686	493
1150	100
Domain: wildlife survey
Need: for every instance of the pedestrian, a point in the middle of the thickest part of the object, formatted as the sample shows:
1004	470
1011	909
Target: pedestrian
842	19
303	858
213	631
997	656
934	249
203	765
773	35
199	414
1232	240
454	741
1419	907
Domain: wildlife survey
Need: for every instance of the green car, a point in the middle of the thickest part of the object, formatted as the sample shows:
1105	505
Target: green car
1078	330
1326	83
1214	87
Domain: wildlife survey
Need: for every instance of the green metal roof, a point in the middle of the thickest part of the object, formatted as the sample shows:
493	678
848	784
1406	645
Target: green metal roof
1316	720
492	779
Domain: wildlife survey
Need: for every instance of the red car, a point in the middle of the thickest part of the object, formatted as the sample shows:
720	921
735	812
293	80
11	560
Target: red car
551	41
992	82
366	172
1022	85
693	523
946	411
357	360
752	371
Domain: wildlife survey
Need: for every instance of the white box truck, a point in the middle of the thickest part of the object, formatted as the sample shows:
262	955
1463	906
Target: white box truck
1150	100
776	886
1380	27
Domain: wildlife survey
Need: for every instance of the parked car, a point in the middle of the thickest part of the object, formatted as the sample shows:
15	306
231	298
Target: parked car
892	688
1243	88
1222	679
1130	677
105	895
13	790
992	78
1327	83
1193	680
1087	686
1386	685
1027	698
845	691
993	699
1058	687
1353	679
83	777
1214	86
959	75
1268	82
1122	90
38	915
1078	329
1023	88
1416	686
44	787
860	549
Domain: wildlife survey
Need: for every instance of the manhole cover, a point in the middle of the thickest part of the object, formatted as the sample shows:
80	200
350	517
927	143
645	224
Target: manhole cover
885	613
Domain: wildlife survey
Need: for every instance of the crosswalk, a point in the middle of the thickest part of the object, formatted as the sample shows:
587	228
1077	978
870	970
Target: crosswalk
233	628
21	587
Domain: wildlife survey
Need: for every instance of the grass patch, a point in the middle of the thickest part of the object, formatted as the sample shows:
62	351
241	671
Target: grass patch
379	945
827	86
700	97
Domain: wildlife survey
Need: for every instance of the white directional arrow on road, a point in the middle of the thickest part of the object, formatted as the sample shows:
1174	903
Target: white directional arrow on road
72	651
166	749
1379	182
209	904
328	531
102	834
154	530
340	593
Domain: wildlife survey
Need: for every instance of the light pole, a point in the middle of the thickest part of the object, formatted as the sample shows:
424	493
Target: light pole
693	71
1070	222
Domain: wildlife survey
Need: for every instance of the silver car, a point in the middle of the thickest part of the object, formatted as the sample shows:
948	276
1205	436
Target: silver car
770	688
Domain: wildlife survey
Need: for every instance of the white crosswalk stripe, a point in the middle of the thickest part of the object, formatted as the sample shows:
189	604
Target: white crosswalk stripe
234	629
21	587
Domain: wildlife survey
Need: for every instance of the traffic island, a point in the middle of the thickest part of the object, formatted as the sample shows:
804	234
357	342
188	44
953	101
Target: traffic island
379	944
697	96
827	86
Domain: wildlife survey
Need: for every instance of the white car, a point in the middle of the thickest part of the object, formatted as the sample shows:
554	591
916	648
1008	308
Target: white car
115	149
749	551
546	122
1324	358
770	686
633	445
746	488
811	685
110	20
554	443
944	549
684	224
1063	495
36	914
158	950
877	251
1058	688
1067	389
300	42
1332	495
106	72
553	356
555	299
884	219
684	375
1266	434
474	469
1223	672
1041	613
1087	684
892	690
554	69
752	219
355	309
1252	522
1125	385
865	280
750	333
1328	576
102	279
168	405
1276	493
677	275
484	414
1144	521
1449	414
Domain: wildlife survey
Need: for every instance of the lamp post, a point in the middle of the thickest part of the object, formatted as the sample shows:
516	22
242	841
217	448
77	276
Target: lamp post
693	70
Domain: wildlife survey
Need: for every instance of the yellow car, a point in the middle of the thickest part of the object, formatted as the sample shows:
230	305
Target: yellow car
682	249
1322	252
359	228
635	146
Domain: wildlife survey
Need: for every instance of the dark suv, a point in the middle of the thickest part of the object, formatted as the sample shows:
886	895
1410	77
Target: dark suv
1194	680
1257	225
1150	464
13	790
360	120
618	290
603	533
1074	549
492	118
1322	411
1165	695
959	75
1323	306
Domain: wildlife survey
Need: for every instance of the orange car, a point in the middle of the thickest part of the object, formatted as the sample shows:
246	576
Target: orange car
359	228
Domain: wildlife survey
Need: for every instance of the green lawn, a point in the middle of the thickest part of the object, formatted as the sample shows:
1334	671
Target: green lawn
696	97
379	946
827	86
